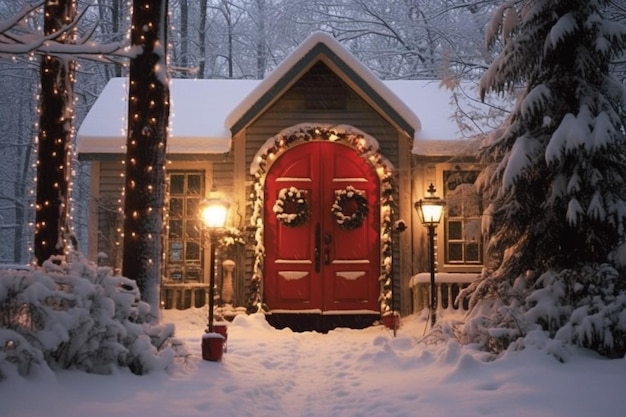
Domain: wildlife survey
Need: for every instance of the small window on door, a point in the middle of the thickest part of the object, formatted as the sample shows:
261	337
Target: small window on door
183	240
463	240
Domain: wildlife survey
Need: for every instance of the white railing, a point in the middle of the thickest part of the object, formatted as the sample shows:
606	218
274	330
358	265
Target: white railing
447	284
183	296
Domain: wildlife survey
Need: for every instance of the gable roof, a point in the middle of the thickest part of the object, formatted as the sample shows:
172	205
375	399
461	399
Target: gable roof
205	113
321	45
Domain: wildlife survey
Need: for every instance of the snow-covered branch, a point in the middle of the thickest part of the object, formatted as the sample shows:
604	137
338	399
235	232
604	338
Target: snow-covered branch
18	39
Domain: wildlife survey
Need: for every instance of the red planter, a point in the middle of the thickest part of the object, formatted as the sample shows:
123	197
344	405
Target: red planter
222	329
212	347
391	320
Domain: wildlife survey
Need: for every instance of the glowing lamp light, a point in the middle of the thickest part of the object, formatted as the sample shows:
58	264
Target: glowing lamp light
430	209
213	212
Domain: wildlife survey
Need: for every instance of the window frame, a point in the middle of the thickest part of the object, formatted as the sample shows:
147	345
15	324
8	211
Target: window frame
442	248
201	266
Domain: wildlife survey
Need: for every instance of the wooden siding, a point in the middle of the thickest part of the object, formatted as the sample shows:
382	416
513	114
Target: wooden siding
230	172
109	218
291	109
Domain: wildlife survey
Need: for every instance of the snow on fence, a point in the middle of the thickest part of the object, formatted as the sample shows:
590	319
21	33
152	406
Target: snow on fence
448	286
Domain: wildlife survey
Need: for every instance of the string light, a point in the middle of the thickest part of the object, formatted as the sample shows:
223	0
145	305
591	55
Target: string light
137	137
366	150
64	76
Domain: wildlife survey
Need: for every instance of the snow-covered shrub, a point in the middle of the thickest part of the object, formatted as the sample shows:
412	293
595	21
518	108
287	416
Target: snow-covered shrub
77	316
596	300
585	307
18	357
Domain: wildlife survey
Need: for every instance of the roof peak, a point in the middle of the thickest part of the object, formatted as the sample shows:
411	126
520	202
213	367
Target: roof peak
347	67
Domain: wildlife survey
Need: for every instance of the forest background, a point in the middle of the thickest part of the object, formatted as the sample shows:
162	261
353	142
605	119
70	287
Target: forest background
399	39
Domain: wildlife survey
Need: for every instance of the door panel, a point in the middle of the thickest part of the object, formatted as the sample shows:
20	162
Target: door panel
319	265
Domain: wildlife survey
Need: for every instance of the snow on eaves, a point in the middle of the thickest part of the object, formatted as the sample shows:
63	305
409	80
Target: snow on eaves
202	111
200	108
198	111
344	55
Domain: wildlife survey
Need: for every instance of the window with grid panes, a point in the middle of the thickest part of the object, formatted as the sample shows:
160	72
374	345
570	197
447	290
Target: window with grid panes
463	240
183	241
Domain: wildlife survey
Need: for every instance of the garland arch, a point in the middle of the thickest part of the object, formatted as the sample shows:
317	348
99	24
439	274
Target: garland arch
367	148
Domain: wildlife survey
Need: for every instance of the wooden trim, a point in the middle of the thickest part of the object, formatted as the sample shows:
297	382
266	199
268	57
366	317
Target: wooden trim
92	224
106	157
441	239
239	203
405	212
184	166
346	73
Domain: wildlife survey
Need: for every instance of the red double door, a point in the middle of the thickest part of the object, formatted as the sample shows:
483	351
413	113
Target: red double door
320	265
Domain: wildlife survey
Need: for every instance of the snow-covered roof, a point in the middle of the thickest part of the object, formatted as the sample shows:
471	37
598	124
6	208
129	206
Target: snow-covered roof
200	109
197	114
322	43
434	105
203	112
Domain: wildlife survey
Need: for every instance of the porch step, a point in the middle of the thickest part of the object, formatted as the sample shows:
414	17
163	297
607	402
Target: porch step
305	322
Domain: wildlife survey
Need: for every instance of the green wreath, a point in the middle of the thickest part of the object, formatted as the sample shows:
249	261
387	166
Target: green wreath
350	208
291	207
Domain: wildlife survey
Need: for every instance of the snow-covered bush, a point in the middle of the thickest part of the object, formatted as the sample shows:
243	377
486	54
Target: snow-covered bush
77	316
585	307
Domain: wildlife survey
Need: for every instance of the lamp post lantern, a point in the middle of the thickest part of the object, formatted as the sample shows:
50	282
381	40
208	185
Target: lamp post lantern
213	213
430	211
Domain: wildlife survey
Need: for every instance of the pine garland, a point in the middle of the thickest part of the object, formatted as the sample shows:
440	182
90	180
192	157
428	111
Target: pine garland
367	148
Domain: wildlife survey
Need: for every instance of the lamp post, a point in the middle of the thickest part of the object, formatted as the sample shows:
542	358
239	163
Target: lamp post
430	210
213	212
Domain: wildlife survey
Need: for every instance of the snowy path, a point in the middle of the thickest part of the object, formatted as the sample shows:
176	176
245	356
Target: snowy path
307	374
345	373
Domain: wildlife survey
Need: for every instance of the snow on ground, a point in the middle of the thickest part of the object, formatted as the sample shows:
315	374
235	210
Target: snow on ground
269	372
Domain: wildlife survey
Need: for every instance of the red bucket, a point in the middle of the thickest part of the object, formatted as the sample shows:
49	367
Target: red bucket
391	320
223	330
212	347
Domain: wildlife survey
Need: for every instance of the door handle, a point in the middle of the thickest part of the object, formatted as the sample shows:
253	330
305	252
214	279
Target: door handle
328	238
318	243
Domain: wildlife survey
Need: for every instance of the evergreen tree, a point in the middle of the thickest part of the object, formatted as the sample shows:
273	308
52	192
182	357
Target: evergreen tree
556	171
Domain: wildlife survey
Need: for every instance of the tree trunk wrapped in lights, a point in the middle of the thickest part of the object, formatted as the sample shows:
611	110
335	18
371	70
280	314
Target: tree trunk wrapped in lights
55	132
148	112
